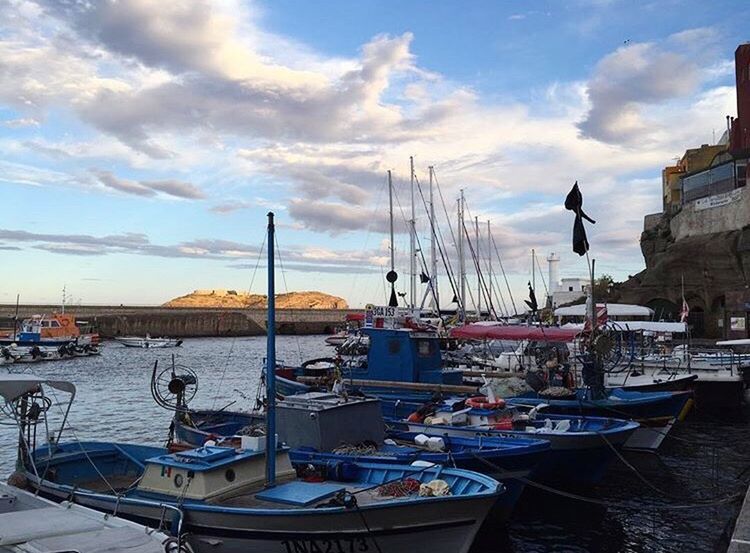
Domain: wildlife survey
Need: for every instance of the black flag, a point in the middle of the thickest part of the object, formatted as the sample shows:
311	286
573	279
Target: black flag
574	203
393	302
531	302
423	278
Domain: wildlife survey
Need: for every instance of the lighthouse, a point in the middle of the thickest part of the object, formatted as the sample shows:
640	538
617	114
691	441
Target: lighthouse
553	262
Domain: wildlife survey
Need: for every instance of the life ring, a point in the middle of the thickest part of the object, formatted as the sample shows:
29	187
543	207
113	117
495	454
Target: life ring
481	402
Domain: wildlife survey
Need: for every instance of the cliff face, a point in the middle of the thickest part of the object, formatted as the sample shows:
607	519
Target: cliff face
241	300
710	264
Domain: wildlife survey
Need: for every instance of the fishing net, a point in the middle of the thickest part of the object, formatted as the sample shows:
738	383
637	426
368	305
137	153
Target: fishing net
400	488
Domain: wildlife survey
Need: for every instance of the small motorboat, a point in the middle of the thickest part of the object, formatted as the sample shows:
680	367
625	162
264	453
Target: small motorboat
581	447
656	412
32	524
148	342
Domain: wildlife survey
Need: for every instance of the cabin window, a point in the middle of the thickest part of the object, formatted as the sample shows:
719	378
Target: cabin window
424	348
54	324
229	475
178	480
394	347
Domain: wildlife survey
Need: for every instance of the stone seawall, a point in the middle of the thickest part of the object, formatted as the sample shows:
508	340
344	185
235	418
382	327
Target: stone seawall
113	321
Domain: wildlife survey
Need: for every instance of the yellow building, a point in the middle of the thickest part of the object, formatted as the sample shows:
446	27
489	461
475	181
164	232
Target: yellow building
693	160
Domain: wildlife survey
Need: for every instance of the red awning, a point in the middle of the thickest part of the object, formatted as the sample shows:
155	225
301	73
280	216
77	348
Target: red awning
505	332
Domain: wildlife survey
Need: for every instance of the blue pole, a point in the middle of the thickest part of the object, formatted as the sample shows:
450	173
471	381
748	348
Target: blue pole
271	363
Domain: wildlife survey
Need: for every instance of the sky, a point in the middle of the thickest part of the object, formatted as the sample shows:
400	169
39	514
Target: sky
142	142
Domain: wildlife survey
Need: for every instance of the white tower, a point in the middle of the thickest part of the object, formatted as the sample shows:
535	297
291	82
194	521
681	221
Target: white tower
553	261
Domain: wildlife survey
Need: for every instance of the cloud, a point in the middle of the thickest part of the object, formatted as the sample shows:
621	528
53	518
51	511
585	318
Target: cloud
638	75
303	258
174	188
21	123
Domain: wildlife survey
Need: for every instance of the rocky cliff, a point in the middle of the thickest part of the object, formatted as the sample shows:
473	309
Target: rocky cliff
242	300
711	265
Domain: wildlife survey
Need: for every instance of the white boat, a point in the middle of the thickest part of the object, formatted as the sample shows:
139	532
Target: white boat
148	342
31	524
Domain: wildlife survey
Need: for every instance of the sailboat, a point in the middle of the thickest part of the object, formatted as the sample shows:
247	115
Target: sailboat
228	500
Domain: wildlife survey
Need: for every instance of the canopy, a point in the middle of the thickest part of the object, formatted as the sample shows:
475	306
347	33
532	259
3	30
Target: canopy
613	310
625	326
12	386
507	332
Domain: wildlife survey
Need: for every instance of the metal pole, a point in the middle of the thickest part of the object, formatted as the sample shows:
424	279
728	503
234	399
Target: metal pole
390	213
433	252
271	363
479	276
489	260
461	261
533	270
412	243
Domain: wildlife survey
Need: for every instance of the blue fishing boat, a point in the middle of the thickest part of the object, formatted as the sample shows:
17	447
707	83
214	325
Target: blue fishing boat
581	447
319	428
656	412
228	500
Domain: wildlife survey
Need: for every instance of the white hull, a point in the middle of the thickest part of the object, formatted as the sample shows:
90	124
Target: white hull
147	342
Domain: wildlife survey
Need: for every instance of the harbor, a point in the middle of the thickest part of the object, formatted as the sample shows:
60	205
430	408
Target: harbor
623	513
391	278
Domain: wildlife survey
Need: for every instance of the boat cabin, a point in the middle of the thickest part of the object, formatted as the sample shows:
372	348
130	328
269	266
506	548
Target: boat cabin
210	473
406	355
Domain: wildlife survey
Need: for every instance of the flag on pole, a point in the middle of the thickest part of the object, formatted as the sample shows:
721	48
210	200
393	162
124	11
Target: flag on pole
531	302
685	311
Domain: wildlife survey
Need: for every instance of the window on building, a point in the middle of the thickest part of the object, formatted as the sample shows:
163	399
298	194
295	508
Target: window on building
741	174
570	288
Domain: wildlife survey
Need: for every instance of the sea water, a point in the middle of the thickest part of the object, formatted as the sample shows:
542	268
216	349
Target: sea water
706	458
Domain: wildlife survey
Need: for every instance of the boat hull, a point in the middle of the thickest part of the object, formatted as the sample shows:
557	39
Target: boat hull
577	458
449	525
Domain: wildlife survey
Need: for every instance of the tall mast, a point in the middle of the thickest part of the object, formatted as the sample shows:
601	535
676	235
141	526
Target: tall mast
461	260
489	262
391	277
271	363
390	215
62	307
533	270
479	272
433	252
412	242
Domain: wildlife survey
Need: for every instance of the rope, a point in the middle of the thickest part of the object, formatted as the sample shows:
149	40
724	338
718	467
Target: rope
607	503
286	287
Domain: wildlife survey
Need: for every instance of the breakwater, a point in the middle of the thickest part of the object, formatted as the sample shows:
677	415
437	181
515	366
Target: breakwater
121	320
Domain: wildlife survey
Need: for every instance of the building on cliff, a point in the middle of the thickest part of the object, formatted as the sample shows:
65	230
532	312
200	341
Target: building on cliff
702	236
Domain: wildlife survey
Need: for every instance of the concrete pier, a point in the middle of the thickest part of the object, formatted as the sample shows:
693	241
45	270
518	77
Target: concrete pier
122	320
740	542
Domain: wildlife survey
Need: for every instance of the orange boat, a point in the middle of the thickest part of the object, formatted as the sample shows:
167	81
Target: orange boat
51	330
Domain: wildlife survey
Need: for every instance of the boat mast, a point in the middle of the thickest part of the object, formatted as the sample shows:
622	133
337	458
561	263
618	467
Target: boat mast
271	363
533	270
412	243
433	252
461	260
479	273
62	307
391	277
489	263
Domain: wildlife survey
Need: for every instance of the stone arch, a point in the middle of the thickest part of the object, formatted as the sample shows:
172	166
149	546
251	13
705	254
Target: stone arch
664	309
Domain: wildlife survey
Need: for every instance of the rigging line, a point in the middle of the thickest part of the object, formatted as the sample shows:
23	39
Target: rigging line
541	274
416	237
502	269
480	277
375	209
443	249
223	373
286	287
421	253
505	276
257	264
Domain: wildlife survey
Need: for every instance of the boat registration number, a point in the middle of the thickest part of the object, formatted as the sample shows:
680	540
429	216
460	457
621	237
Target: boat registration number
346	545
